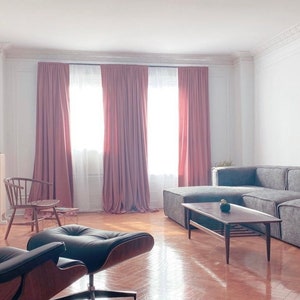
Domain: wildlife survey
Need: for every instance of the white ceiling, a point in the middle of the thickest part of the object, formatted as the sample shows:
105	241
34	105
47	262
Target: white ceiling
215	27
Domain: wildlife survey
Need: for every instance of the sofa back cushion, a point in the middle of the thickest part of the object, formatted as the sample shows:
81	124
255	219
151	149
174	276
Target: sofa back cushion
293	179
271	177
233	176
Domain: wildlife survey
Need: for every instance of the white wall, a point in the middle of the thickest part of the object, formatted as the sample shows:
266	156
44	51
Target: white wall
221	100
277	105
20	102
1	100
243	110
19	116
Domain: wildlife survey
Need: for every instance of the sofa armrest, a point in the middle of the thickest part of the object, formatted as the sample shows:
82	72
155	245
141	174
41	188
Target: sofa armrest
233	176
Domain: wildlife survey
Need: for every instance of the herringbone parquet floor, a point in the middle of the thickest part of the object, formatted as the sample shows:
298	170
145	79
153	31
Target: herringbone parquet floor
181	269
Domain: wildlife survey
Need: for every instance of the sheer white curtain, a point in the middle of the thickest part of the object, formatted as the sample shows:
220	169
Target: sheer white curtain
162	132
86	118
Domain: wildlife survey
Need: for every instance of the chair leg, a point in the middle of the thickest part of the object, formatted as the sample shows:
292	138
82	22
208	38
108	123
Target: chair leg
9	224
104	294
114	294
32	220
36	219
56	216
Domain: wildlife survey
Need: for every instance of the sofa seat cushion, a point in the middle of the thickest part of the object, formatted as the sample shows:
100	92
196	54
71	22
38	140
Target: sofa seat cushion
211	193
289	212
174	197
267	201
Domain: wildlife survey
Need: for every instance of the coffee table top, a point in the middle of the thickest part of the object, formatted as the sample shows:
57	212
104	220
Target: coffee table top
237	215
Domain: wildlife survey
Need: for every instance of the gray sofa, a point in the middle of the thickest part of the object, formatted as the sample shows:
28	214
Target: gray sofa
271	189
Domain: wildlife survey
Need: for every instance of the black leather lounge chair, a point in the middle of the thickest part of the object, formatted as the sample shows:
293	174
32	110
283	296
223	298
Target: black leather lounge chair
38	274
97	249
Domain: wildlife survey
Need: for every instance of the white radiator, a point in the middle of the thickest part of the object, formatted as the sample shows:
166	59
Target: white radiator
2	190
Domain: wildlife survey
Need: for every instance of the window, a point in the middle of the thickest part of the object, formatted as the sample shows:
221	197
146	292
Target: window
86	118
86	115
162	131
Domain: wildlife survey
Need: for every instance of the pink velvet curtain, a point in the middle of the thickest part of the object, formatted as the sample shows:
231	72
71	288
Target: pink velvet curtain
125	184
53	161
194	129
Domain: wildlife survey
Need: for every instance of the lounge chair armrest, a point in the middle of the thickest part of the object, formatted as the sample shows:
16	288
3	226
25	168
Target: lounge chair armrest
16	262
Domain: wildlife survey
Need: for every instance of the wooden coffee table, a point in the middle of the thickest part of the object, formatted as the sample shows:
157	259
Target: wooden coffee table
238	215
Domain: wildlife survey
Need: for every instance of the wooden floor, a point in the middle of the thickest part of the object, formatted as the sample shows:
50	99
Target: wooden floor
181	269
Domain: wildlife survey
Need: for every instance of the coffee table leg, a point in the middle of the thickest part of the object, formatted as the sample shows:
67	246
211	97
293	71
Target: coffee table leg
268	240
227	242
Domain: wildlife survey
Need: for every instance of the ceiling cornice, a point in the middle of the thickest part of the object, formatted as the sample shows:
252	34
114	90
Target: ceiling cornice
150	59
3	47
283	39
243	56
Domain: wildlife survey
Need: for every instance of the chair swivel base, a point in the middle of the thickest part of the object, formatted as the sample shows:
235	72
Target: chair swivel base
99	294
92	293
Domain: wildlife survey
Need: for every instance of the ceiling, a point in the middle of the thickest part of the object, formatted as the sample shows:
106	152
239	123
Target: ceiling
184	27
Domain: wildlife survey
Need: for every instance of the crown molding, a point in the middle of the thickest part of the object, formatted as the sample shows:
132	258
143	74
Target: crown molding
3	47
243	56
283	39
151	59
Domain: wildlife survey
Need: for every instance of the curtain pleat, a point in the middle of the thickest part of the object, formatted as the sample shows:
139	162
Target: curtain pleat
53	162
194	129
125	183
